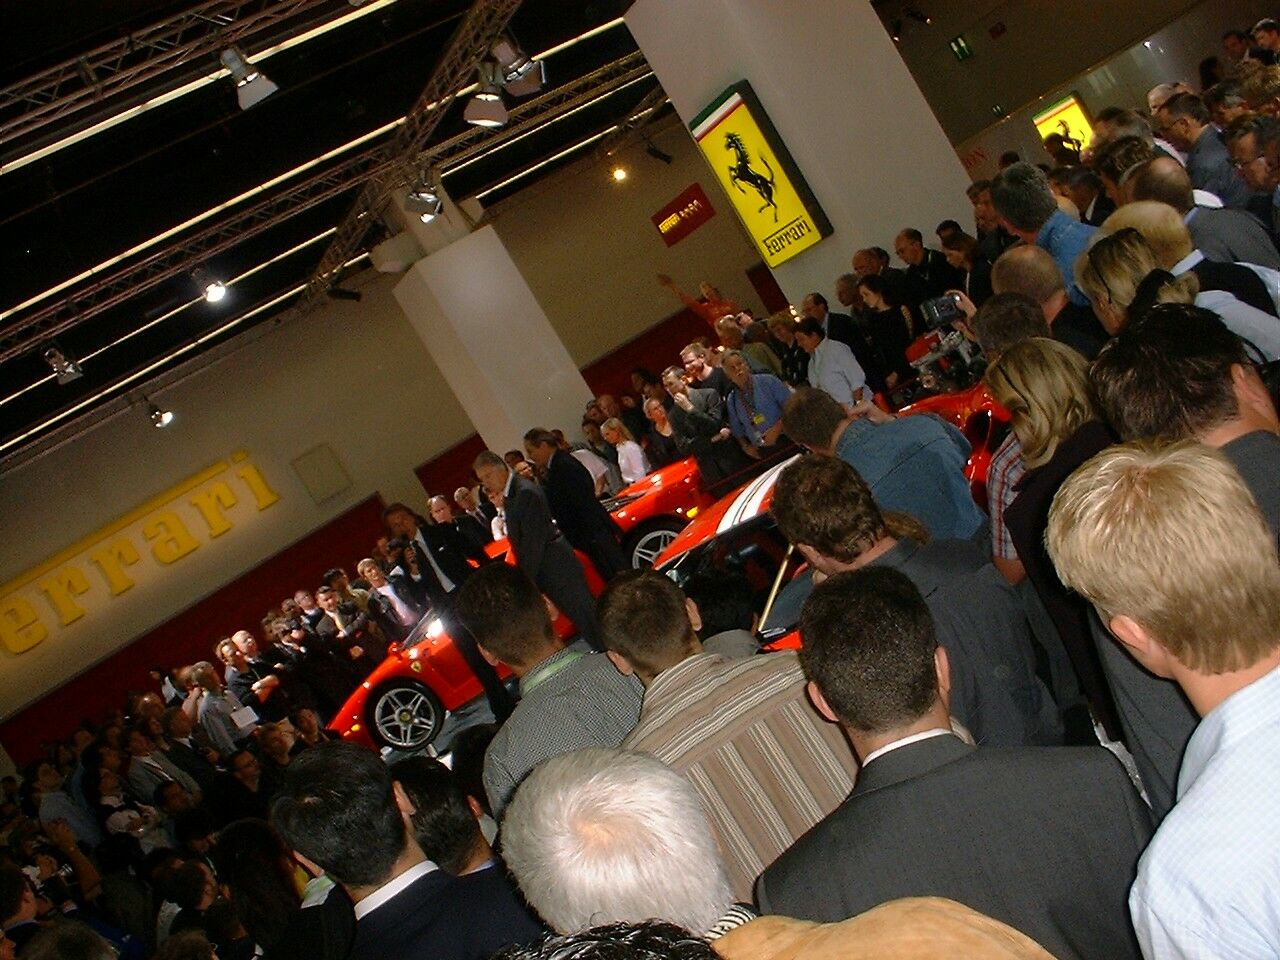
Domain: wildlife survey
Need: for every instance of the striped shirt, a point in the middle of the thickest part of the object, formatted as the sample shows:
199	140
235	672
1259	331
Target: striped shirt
766	765
1003	474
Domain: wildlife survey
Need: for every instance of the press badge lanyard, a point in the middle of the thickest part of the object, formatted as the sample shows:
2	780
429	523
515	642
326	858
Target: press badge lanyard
547	671
746	397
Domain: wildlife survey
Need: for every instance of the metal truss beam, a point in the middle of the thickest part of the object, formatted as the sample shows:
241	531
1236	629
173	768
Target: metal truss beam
470	43
182	255
57	93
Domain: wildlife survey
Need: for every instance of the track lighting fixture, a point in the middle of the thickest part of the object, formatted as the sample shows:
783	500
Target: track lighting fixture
159	418
64	368
210	287
252	86
424	200
485	108
520	75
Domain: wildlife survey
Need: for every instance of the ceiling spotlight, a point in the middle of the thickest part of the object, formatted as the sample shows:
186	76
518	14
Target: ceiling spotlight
520	75
619	174
159	418
210	287
485	108
63	366
657	154
915	14
252	86
424	200
895	30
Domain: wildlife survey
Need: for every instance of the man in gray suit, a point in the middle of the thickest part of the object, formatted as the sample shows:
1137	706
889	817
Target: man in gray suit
540	549
1230	236
1045	839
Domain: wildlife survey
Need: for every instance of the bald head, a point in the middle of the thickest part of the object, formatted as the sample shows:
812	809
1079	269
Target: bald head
1164	180
1030	271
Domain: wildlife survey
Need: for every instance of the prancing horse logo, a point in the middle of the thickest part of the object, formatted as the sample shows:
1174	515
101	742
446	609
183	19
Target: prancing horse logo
741	173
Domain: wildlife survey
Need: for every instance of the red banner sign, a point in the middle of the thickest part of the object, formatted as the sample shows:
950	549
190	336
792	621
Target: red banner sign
683	215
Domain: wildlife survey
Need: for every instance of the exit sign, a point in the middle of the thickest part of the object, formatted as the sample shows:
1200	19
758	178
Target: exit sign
960	47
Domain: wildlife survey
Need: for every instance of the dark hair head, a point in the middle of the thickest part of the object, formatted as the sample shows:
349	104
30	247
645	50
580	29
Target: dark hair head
332	575
255	863
1021	195
643	617
186	945
649	940
1167	374
336	808
540	437
1187	105
912	234
810	417
487	458
13	884
469	747
818	299
1005	319
443	823
190	883
948	226
823	502
68	940
1121	155
724	602
505	613
868	643
977	189
810	326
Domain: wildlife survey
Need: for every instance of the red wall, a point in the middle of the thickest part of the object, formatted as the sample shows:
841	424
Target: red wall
190	635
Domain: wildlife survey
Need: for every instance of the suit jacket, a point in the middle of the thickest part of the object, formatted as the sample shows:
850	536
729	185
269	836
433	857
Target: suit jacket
1232	236
189	758
451	551
1239	281
473	531
532	532
704	421
933	277
571	495
439	917
1044	839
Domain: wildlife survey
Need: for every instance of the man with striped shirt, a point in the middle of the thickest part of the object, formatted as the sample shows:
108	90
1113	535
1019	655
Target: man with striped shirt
764	763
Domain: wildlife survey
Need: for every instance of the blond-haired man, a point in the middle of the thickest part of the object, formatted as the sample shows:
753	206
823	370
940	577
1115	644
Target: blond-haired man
1170	547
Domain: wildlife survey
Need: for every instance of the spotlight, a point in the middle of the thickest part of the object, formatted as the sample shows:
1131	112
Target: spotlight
424	200
895	30
485	108
252	86
619	174
210	287
915	14
520	75
159	418
63	367
657	154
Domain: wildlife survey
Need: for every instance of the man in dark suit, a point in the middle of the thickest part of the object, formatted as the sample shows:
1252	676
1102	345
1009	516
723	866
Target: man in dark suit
476	533
540	549
697	416
341	814
928	273
1044	839
441	556
1087	193
571	495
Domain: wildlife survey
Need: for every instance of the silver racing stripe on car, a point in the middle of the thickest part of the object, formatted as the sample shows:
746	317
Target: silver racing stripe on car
747	503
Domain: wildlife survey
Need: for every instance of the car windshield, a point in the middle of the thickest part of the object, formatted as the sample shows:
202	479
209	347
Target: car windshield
754	551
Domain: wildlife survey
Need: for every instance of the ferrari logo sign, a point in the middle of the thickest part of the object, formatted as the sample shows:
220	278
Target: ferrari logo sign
758	175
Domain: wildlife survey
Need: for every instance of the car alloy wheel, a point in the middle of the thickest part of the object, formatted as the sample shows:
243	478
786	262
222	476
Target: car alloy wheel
406	715
646	544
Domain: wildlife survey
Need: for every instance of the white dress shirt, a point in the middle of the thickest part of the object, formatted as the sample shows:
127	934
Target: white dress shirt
393	888
1209	884
906	741
1260	329
445	582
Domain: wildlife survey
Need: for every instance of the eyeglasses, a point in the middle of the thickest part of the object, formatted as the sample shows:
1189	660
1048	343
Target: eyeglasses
1241	164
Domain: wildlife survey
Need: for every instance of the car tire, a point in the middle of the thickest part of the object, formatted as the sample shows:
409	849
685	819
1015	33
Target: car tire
404	715
643	544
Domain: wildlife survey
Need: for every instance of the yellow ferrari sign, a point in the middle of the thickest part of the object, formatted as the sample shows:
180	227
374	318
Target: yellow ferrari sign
1067	119
758	175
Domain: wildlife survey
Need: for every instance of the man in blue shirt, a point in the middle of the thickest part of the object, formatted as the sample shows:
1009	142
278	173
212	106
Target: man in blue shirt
1026	207
755	406
913	465
1169	546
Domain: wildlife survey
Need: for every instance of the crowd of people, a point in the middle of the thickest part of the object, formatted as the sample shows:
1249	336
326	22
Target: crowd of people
1046	729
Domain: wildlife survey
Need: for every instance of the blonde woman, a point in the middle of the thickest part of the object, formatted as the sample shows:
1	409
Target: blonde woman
1121	274
631	459
1044	385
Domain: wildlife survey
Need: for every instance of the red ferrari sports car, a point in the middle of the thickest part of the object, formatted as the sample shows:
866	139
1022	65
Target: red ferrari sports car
403	703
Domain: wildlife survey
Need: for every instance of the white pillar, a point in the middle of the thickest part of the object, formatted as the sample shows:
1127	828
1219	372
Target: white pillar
842	100
492	341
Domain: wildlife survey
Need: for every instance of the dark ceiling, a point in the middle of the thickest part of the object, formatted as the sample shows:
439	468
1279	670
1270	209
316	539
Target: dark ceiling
75	208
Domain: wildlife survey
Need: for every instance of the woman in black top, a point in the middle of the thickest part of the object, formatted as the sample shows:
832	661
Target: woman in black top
660	442
890	329
961	251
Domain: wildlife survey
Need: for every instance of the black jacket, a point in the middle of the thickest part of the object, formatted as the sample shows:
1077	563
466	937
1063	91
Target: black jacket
571	495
